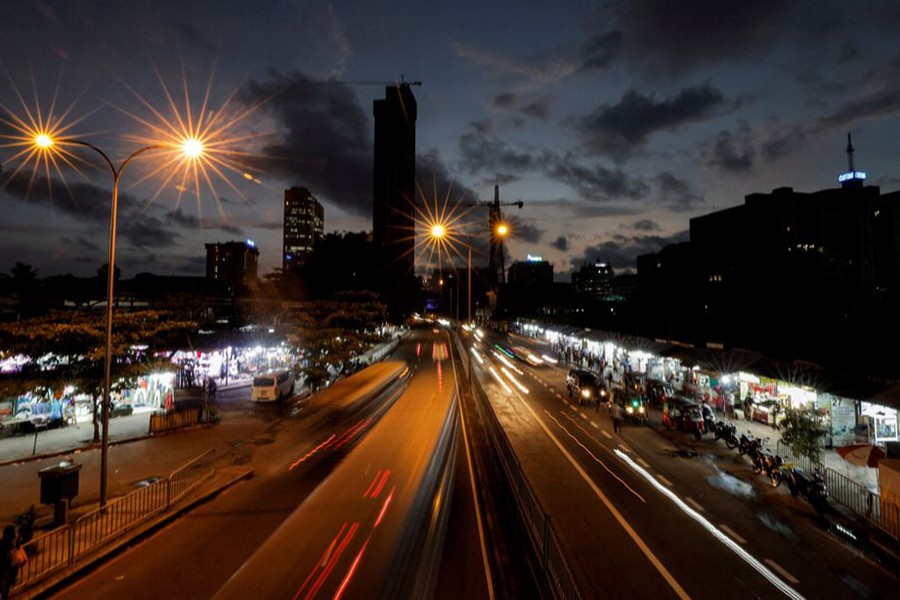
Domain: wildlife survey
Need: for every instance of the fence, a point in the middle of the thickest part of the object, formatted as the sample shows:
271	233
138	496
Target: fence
558	575
856	497
166	421
60	548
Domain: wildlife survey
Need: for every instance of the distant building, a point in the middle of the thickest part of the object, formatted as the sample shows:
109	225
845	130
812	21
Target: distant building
394	184
234	263
808	275
594	280
304	225
532	271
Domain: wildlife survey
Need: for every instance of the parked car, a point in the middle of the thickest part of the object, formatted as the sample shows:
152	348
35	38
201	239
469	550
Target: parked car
586	386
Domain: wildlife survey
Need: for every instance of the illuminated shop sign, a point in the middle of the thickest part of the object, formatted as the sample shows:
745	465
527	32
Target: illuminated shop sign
851	175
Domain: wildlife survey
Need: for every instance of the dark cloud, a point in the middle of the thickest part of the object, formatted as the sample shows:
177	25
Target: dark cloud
535	109
622	251
505	100
646	225
733	152
676	193
600	51
561	243
875	105
501	179
180	218
325	137
618	130
538	109
80	242
782	142
524	231
677	36
598	183
481	153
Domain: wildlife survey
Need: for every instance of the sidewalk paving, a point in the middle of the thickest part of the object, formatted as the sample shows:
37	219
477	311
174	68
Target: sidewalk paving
21	457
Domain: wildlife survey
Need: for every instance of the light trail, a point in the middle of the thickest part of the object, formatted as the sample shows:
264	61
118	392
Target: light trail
591	454
757	565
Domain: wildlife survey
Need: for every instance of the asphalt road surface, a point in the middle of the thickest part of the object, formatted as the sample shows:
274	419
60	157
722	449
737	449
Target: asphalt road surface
644	514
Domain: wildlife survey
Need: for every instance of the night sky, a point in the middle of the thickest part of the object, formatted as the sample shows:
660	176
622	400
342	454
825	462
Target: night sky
615	122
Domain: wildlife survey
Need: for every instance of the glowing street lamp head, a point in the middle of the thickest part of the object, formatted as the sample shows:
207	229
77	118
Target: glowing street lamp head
42	140
192	148
502	229
438	231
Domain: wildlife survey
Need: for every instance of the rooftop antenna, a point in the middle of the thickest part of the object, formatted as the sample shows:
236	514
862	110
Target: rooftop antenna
850	154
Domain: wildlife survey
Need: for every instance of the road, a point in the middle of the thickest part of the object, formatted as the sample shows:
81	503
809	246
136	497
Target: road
649	515
296	465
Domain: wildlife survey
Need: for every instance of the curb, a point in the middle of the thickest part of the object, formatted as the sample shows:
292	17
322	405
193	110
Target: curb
46	588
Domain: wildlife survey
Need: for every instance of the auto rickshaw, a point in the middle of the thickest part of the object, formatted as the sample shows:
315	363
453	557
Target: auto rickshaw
683	415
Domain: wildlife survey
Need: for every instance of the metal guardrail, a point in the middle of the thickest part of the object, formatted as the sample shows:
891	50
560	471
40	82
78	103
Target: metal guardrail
166	421
890	519
60	548
559	579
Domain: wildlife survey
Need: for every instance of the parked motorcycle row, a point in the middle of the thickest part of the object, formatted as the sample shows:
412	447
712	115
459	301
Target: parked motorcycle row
773	466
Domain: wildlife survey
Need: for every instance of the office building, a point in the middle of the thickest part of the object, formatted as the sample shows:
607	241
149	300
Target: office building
394	183
234	263
304	225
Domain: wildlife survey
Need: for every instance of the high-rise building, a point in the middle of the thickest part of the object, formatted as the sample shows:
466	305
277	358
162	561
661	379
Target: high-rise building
233	262
394	183
594	280
304	225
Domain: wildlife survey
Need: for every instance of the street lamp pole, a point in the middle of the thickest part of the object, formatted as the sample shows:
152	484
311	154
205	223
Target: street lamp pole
469	286
110	282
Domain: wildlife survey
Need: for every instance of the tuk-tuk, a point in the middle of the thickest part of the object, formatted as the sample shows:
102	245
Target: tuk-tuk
683	414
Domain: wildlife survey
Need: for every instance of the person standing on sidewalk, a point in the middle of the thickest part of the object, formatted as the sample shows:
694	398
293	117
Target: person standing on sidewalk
617	413
11	558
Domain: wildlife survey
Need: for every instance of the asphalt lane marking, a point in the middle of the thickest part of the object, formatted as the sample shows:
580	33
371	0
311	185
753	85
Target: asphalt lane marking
781	571
594	425
642	462
694	503
620	519
665	481
625	448
606	433
731	532
583	416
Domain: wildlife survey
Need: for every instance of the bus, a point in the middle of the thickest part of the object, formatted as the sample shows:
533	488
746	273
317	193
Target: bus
272	386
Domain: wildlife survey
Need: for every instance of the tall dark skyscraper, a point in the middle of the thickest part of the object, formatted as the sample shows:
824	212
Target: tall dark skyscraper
394	185
304	225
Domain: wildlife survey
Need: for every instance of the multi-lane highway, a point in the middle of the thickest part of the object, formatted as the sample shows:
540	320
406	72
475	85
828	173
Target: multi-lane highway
329	511
640	515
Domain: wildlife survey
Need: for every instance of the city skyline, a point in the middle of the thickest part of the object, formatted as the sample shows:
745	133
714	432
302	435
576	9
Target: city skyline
614	125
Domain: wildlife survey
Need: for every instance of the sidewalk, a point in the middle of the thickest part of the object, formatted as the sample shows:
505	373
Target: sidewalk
22	457
843	521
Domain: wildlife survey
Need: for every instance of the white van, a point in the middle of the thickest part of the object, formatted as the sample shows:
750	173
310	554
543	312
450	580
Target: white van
272	386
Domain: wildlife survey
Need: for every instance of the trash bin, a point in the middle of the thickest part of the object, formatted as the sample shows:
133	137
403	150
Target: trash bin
59	484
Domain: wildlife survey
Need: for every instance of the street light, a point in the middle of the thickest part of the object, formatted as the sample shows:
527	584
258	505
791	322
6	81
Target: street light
192	149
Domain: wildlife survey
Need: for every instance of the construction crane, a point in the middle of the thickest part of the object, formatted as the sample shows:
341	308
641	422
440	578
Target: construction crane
495	220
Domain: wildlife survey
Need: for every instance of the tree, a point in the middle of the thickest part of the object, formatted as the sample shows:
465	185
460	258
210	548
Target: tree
802	429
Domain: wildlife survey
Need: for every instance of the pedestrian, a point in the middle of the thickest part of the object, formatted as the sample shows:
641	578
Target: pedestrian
12	557
617	413
748	407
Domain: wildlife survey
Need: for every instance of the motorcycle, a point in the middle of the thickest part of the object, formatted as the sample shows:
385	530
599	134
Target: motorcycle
749	445
728	432
814	489
771	465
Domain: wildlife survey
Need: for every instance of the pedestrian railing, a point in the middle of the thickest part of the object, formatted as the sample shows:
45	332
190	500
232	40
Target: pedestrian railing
889	520
166	421
855	496
60	548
